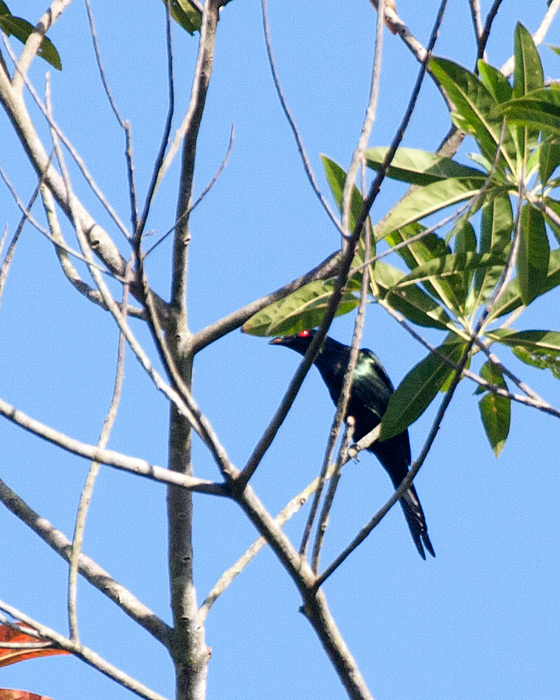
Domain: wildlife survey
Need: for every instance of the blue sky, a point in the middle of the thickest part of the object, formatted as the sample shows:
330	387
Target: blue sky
482	619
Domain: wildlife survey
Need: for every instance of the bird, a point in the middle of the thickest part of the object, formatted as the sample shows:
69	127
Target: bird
369	396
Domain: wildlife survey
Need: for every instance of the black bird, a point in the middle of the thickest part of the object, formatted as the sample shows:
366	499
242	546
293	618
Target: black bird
370	394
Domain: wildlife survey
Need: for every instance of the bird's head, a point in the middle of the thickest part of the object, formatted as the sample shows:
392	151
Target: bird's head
298	342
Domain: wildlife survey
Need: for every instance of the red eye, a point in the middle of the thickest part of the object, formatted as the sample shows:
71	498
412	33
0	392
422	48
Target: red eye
303	334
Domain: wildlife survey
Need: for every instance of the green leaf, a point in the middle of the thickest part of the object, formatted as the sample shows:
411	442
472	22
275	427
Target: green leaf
483	161
465	244
533	256
555	206
298	311
539	349
511	298
420	167
419	388
22	29
527	76
336	177
540	110
428	200
495	82
538	359
528	71
496	229
452	266
412	302
495	411
476	107
549	159
418	252
186	15
428	248
532	340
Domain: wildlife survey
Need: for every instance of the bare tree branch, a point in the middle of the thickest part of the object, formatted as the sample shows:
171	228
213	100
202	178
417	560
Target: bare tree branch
476	20
90	570
109	457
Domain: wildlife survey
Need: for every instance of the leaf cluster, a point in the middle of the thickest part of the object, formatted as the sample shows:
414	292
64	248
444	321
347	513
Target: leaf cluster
500	251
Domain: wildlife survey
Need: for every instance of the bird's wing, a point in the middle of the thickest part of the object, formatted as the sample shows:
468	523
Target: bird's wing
371	390
378	369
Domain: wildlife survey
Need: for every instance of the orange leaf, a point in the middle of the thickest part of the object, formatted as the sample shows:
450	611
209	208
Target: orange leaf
12	656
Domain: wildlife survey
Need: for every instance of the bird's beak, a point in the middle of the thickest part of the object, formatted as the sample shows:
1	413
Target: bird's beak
277	341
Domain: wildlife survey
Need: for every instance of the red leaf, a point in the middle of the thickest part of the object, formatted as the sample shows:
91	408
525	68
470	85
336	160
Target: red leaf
12	656
9	694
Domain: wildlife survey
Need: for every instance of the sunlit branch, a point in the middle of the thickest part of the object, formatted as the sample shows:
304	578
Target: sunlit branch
63	251
73	152
112	458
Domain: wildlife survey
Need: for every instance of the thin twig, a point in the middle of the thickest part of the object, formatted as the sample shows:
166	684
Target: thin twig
289	510
457	376
5	266
357	159
158	166
201	196
90	570
349	246
85	497
63	251
293	125
331	492
141	355
73	152
58	241
539	404
485	35
399	27
495	360
405	483
100	66
367	125
34	41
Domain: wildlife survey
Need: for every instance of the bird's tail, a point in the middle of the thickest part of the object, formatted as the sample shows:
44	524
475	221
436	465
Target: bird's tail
416	522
